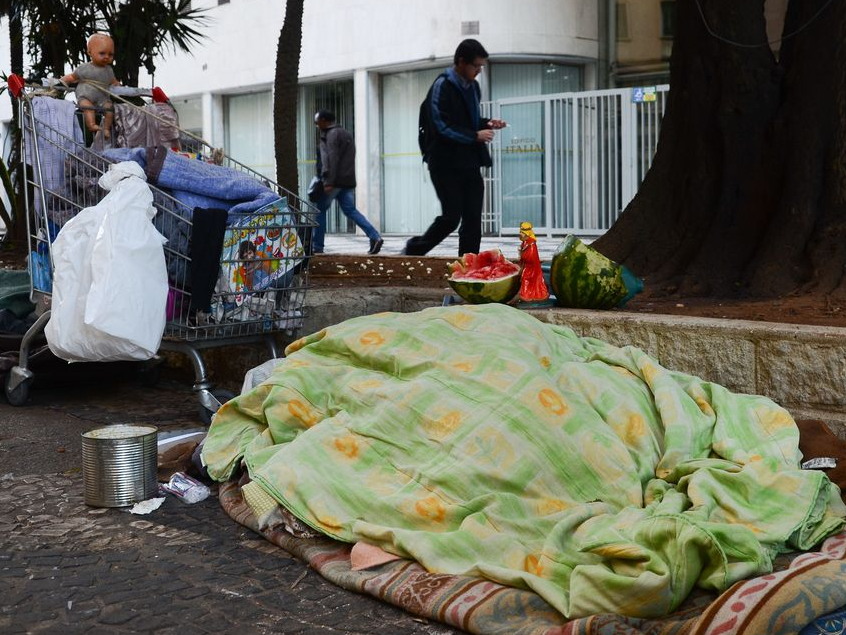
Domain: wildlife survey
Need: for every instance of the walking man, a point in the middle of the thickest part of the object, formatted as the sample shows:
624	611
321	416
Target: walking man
336	167
457	151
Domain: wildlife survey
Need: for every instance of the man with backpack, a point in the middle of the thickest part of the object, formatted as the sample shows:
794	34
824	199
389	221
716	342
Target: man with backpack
453	138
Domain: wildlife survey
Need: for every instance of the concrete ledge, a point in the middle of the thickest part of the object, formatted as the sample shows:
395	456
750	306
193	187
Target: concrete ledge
324	307
801	367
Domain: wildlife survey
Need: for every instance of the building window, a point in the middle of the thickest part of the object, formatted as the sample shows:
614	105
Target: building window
622	21
248	131
408	198
190	113
668	19
522	80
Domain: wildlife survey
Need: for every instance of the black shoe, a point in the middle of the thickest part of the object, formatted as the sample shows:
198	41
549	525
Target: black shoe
412	248
375	246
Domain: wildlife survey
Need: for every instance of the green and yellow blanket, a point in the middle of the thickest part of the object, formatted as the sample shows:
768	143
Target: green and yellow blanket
480	441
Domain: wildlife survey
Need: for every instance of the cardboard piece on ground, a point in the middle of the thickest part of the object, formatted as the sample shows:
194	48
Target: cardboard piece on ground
364	556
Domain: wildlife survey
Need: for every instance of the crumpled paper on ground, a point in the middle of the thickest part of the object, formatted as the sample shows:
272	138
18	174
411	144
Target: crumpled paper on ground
147	506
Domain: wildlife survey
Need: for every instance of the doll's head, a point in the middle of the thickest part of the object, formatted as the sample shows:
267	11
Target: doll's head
527	231
101	49
247	250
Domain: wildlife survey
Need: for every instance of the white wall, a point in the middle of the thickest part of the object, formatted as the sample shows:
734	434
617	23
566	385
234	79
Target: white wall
340	36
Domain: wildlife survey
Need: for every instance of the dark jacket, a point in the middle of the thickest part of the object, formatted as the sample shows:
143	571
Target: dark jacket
455	114
336	163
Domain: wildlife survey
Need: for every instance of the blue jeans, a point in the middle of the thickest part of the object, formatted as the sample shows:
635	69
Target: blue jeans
347	204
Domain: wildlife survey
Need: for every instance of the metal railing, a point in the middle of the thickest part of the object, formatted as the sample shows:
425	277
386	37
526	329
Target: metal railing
570	162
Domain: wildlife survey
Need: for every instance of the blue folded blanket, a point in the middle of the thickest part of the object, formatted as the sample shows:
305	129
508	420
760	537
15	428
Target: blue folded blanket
197	183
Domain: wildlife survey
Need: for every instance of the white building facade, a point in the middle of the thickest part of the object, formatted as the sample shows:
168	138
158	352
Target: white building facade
371	62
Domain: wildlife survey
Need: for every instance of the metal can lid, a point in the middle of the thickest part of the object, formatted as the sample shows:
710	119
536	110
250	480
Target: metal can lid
120	431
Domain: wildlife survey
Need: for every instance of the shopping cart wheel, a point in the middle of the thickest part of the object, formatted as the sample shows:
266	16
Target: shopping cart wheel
18	395
222	396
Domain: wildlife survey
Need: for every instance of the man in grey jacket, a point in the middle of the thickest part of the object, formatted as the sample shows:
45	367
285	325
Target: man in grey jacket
336	167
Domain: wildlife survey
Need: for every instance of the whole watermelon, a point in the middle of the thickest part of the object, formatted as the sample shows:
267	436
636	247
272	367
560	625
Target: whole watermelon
484	277
583	278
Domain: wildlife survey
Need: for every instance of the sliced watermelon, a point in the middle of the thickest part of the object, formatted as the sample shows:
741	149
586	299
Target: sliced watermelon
583	278
484	277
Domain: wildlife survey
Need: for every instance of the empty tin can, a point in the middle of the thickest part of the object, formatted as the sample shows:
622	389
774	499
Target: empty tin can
119	465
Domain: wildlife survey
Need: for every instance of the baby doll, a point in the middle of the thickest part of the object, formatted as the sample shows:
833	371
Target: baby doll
93	80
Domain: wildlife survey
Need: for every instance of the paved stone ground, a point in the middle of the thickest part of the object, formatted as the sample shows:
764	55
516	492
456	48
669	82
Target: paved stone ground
68	568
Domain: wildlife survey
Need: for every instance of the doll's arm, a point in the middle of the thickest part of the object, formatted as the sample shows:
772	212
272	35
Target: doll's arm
70	78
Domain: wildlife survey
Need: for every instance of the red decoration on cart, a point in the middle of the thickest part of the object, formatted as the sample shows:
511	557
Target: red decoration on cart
159	96
16	84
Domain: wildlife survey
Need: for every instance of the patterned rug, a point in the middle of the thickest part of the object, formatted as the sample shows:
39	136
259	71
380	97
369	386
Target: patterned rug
806	593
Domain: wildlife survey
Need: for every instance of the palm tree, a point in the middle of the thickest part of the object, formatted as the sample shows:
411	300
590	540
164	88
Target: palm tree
57	37
13	9
10	165
285	90
57	33
142	29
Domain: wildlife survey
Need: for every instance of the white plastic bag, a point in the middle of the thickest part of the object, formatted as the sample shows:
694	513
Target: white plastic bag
110	279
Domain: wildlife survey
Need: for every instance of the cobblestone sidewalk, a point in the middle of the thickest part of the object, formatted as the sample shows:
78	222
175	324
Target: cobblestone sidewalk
67	568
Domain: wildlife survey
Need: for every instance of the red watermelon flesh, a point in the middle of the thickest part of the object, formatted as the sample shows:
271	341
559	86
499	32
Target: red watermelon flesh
484	277
486	265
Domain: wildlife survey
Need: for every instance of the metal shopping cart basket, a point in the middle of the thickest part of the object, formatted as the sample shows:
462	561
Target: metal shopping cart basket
258	283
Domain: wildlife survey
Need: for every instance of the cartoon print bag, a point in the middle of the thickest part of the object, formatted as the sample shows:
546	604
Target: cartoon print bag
260	254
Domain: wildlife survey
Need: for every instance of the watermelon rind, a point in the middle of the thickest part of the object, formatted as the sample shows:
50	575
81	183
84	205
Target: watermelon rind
487	291
582	278
479	291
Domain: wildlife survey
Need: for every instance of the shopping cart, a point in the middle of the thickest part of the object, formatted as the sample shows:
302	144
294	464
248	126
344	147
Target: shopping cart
257	295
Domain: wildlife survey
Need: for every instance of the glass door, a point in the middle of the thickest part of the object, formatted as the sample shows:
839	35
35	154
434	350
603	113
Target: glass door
522	148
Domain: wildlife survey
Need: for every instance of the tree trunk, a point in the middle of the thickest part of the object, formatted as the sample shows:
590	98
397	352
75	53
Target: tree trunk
16	38
285	91
15	222
747	188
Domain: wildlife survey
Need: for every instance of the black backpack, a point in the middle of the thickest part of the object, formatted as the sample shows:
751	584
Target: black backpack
425	126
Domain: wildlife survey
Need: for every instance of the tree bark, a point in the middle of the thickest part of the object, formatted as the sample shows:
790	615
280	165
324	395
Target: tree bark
15	223
285	91
747	187
803	245
16	38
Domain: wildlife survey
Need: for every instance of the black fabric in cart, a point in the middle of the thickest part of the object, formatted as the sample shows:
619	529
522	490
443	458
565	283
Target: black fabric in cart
207	232
12	324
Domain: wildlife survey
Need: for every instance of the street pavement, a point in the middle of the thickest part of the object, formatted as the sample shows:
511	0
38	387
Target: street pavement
67	568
